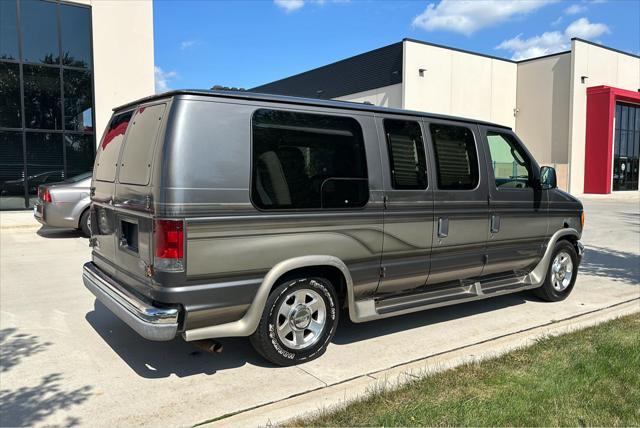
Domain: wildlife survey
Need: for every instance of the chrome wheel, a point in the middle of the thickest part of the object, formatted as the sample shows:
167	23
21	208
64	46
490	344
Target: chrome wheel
301	319
561	271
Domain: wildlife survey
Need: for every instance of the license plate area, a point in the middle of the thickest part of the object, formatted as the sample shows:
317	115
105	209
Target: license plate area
129	235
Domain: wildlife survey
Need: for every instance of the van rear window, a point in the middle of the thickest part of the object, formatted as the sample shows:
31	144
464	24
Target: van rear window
109	149
303	161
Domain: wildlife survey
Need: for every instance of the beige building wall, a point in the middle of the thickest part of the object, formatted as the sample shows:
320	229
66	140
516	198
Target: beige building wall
599	66
459	83
387	96
123	63
543	101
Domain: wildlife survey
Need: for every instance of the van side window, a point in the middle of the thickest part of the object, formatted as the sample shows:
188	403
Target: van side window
510	165
456	157
109	148
303	161
406	154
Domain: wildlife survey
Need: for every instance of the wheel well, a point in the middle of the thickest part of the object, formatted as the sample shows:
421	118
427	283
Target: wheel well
573	240
331	273
81	214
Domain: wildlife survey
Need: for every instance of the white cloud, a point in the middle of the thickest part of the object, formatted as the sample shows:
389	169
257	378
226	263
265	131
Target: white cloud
468	16
556	22
289	5
162	79
553	41
584	29
575	9
186	44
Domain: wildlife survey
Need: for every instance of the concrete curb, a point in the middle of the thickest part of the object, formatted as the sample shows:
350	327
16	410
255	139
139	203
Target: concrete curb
342	393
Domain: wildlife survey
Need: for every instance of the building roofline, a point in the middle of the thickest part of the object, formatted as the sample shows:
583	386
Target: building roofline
422	42
605	47
544	56
329	65
286	99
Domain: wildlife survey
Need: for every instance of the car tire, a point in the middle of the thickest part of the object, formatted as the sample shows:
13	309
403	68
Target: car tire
84	224
298	322
561	273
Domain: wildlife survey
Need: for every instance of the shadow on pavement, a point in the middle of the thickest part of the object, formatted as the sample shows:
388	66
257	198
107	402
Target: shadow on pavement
28	405
161	359
349	332
59	233
617	265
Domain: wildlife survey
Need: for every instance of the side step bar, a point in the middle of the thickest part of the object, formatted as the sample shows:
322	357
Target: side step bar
450	295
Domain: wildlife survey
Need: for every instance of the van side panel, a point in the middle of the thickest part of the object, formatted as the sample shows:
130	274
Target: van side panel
207	164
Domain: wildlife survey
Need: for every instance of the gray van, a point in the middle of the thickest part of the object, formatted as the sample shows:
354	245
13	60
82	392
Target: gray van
220	213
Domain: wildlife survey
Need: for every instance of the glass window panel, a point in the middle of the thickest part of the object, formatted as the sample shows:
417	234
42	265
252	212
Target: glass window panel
75	30
307	161
78	100
624	117
45	160
510	166
42	97
8	30
456	157
618	115
11	171
39	25
109	150
406	154
10	95
80	153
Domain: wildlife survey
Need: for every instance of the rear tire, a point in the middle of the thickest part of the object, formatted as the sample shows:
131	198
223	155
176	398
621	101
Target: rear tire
561	273
299	320
84	224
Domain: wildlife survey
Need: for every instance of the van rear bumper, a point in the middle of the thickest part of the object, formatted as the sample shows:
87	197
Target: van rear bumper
150	322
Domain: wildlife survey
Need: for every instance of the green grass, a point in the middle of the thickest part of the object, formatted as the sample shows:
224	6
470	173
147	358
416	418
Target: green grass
589	378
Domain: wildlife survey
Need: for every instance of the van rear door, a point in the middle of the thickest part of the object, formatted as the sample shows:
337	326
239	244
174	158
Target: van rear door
124	194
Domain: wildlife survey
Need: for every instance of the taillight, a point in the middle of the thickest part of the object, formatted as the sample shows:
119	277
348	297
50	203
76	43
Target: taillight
169	245
44	194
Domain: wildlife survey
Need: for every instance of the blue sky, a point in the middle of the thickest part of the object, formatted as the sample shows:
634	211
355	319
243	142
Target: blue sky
202	43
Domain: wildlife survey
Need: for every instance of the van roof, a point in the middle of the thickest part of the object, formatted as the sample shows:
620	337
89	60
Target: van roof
337	104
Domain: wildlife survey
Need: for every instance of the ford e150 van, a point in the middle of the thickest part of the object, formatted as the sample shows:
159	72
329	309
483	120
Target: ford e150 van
220	213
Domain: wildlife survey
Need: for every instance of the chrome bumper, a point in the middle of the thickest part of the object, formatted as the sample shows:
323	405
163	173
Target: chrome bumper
148	321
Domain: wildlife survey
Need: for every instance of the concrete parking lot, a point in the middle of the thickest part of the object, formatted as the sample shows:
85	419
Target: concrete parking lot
67	360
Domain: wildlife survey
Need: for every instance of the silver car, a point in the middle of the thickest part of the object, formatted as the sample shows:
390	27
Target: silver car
65	204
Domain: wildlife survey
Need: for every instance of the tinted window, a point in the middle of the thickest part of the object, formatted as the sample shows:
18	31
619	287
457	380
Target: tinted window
456	157
11	170
8	30
307	161
109	149
406	154
10	95
75	32
39	24
44	153
79	152
42	97
77	100
135	163
510	166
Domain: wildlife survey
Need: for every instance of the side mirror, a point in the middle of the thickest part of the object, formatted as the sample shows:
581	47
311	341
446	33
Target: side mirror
548	178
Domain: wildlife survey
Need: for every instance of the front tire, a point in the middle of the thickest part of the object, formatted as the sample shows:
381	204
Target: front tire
561	273
298	322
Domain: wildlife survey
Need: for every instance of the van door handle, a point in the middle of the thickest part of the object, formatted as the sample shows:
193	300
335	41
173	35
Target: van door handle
495	223
443	227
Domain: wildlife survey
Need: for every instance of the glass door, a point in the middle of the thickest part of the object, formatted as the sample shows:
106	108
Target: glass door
626	151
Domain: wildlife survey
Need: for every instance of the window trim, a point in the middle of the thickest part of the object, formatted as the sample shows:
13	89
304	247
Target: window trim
390	155
435	155
522	151
304	210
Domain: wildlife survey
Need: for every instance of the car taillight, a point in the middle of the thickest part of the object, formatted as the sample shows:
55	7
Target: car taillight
169	245
44	194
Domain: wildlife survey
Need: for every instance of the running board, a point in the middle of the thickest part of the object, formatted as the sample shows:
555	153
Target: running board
442	296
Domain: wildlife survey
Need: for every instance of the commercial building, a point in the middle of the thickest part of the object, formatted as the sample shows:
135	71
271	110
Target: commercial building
577	110
63	66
